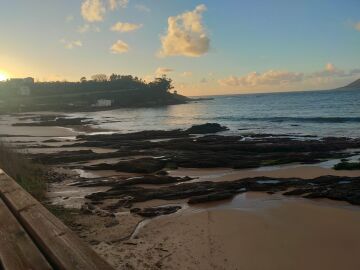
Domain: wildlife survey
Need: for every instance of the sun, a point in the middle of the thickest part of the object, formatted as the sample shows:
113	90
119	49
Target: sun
3	76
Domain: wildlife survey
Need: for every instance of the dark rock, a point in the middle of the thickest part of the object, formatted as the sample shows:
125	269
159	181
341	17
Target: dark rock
51	141
162	172
216	196
61	122
137	136
330	187
206	128
141	165
155	211
345	165
179	149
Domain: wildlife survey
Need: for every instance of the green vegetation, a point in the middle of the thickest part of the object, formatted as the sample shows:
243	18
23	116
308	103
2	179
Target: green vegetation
66	215
29	175
117	90
32	177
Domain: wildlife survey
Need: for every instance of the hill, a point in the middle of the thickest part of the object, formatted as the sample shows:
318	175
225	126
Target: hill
353	85
117	91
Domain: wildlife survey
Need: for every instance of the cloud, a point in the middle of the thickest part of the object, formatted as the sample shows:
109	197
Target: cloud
125	27
162	71
329	71
357	26
93	10
186	35
88	28
271	77
119	47
142	8
71	44
114	4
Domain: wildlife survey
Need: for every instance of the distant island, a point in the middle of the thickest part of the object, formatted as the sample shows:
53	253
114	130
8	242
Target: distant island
99	93
354	85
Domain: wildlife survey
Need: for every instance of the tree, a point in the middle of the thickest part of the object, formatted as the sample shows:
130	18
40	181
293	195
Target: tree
162	84
83	79
114	77
99	77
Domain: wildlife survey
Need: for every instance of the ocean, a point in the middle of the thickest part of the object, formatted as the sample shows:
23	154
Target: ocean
321	113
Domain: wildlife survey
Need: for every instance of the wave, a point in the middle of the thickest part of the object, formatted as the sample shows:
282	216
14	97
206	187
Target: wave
292	119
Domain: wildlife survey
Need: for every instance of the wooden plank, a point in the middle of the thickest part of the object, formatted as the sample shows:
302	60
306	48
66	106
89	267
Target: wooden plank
17	250
14	195
62	247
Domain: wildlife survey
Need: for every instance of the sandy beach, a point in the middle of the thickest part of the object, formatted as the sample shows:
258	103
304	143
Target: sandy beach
268	234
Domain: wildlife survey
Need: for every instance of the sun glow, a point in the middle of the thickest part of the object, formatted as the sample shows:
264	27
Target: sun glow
3	76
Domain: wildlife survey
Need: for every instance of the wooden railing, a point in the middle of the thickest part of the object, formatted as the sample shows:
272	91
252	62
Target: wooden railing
33	238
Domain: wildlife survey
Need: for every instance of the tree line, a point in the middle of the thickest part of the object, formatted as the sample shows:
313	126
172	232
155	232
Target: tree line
100	82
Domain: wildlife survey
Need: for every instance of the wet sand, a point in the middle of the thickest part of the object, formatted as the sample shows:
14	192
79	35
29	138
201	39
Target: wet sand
298	234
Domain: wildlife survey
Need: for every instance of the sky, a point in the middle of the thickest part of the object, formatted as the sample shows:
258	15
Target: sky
207	47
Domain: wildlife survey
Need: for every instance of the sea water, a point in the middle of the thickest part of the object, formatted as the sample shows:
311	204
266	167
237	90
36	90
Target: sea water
321	113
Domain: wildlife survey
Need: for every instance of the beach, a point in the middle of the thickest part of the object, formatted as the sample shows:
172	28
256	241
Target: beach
256	227
291	235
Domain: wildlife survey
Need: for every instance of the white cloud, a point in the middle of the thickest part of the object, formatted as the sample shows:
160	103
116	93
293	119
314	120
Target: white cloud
271	77
88	28
114	4
71	44
281	78
329	71
119	47
357	26
186	35
125	27
162	71
142	8
93	10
